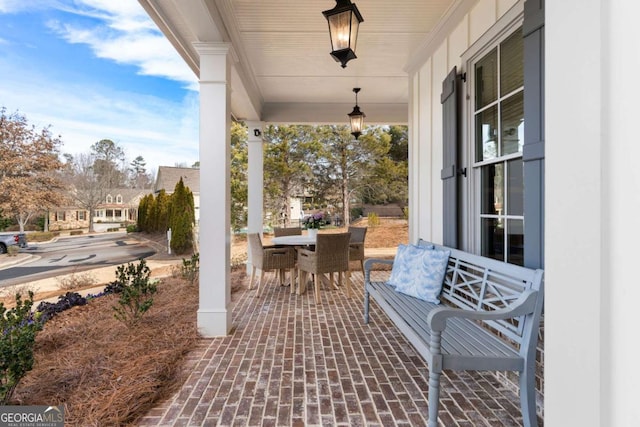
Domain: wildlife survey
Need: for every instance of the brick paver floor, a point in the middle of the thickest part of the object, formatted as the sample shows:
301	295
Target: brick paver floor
290	362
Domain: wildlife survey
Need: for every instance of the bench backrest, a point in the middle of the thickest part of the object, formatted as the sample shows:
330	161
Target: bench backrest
474	282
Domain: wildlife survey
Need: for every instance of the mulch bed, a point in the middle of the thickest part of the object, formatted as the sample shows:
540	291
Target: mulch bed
106	374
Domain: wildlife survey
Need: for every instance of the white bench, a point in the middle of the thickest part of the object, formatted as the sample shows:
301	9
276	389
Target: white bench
488	320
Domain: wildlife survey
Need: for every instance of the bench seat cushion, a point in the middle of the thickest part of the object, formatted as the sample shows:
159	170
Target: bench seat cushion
464	345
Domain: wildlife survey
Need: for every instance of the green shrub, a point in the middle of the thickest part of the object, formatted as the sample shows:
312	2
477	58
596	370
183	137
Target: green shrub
373	219
405	212
75	232
136	297
113	229
12	250
191	268
132	228
18	338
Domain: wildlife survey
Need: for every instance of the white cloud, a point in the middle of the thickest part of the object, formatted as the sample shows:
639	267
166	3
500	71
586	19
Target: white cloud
161	131
124	24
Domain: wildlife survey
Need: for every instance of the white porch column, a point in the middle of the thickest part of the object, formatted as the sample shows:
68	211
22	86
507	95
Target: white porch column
214	315
592	230
255	179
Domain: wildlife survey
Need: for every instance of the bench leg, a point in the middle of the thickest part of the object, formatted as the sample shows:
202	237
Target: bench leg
434	397
366	305
528	397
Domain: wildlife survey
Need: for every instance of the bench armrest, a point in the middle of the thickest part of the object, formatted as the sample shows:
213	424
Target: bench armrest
437	318
368	264
370	261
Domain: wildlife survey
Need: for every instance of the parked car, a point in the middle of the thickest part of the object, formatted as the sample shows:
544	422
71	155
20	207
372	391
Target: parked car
12	239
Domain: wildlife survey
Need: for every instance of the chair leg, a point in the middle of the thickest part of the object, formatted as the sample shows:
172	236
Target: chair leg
253	276
292	280
348	280
316	287
302	282
260	283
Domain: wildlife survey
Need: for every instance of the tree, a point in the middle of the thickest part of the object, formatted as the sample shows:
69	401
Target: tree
288	155
181	219
161	211
145	209
109	160
389	177
88	191
138	175
30	179
346	162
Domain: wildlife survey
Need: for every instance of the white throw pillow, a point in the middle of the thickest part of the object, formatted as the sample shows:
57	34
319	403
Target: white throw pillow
419	271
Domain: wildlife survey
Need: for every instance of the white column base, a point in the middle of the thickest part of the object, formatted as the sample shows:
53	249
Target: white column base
214	323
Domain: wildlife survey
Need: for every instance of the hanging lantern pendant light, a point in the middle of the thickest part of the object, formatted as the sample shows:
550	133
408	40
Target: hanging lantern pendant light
344	20
356	117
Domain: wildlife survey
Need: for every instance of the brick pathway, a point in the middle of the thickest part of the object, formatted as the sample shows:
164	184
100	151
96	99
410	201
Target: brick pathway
290	362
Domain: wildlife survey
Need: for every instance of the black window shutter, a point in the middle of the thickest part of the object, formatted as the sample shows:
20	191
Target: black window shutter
450	100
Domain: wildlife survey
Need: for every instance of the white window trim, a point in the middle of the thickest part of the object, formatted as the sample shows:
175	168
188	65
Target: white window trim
500	31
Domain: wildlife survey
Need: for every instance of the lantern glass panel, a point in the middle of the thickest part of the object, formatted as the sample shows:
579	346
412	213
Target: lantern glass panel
356	123
339	24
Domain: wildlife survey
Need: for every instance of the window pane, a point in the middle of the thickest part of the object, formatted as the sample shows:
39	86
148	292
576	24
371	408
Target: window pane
486	72
511	63
486	134
515	186
512	116
515	241
492	196
492	238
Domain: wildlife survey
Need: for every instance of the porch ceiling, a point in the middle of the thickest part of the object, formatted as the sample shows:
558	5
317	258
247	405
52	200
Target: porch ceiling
281	68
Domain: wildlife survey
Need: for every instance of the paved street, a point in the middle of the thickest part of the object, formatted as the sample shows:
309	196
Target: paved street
71	254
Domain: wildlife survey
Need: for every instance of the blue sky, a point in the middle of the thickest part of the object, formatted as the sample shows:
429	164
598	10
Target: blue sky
98	69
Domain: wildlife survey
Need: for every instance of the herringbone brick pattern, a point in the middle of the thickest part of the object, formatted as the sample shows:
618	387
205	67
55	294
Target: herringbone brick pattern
290	362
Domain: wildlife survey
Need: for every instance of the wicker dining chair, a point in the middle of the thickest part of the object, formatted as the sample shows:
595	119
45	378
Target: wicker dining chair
287	231
356	245
331	255
268	258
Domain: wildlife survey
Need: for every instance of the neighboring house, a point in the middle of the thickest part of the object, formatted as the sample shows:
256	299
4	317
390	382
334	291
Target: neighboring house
119	206
169	176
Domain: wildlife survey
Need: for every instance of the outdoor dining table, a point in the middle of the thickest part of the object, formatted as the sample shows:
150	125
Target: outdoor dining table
296	240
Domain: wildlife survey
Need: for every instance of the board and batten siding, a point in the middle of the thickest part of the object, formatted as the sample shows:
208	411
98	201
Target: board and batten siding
469	23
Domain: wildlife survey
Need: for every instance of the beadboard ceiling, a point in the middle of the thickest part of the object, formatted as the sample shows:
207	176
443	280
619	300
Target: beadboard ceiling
281	67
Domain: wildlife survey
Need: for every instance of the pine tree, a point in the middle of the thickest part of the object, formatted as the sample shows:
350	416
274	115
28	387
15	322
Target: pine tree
181	219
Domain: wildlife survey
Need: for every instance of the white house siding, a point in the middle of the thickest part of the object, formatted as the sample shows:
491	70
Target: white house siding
467	24
445	52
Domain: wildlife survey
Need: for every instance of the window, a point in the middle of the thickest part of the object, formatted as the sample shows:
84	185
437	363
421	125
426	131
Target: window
109	198
60	216
81	215
119	199
498	135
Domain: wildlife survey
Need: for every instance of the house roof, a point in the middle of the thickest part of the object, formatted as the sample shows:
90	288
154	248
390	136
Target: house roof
129	195
169	176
